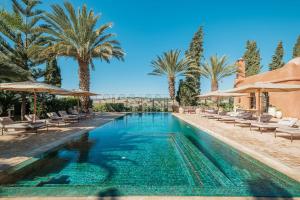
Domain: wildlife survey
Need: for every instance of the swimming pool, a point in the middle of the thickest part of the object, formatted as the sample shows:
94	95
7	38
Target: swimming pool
147	154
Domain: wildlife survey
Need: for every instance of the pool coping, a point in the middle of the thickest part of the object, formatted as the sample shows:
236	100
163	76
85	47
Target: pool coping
269	161
151	198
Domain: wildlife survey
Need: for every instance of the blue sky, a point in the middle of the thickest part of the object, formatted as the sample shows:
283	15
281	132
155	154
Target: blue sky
147	28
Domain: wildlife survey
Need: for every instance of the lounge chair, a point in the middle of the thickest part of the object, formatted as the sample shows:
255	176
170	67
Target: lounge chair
247	122
217	116
67	117
290	131
75	112
283	123
209	112
30	118
235	116
7	123
91	113
54	118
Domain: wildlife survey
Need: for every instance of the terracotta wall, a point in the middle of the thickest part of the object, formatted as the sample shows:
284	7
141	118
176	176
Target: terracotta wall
287	102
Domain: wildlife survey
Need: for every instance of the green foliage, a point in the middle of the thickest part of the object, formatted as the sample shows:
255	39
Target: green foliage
227	106
46	103
171	66
7	100
296	49
75	35
216	70
185	96
120	107
277	58
52	73
21	38
195	53
110	107
252	58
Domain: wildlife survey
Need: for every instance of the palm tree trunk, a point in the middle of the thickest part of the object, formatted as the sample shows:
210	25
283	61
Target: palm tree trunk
214	85
172	87
84	82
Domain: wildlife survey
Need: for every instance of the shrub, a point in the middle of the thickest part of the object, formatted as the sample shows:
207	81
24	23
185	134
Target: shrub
49	103
110	107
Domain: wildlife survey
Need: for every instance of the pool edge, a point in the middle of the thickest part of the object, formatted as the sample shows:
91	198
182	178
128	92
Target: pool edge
275	164
37	153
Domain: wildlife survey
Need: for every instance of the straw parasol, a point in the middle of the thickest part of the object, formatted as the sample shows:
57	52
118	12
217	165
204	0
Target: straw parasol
260	87
218	95
32	87
78	93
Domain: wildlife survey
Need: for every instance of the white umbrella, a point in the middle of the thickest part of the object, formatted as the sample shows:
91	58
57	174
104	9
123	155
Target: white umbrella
32	87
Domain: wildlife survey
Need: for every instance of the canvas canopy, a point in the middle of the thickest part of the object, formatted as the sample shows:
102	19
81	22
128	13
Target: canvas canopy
32	87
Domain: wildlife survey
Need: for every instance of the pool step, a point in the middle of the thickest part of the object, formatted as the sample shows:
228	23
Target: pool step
206	173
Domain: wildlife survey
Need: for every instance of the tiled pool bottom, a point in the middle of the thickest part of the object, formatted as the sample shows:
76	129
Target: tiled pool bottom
148	154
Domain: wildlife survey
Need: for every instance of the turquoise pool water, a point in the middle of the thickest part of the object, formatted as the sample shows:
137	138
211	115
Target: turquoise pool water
147	154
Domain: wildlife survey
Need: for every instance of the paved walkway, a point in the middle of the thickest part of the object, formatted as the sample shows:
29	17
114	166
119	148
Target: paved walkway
278	153
17	147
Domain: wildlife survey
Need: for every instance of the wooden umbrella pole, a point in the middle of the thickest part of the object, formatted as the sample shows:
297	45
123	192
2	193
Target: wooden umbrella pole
78	103
259	103
34	107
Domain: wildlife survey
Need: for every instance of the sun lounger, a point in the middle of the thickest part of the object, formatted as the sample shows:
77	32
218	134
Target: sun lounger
247	122
76	113
67	117
287	130
232	118
209	112
7	123
283	123
91	113
54	118
217	116
30	118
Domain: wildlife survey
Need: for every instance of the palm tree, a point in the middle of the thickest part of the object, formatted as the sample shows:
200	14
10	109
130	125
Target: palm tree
216	70
74	34
20	39
171	66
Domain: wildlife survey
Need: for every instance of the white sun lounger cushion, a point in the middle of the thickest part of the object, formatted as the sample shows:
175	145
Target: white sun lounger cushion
288	121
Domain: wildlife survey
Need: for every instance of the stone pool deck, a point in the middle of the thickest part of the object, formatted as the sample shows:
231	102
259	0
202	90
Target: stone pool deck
16	147
279	153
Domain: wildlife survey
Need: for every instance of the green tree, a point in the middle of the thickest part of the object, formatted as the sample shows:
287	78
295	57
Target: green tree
296	49
195	53
184	93
277	58
252	58
170	65
52	73
75	35
21	38
216	70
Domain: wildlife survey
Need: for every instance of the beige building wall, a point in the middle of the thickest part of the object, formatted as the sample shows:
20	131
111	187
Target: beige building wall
287	102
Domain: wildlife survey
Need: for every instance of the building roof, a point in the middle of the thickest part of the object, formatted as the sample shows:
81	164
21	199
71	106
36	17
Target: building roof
289	72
